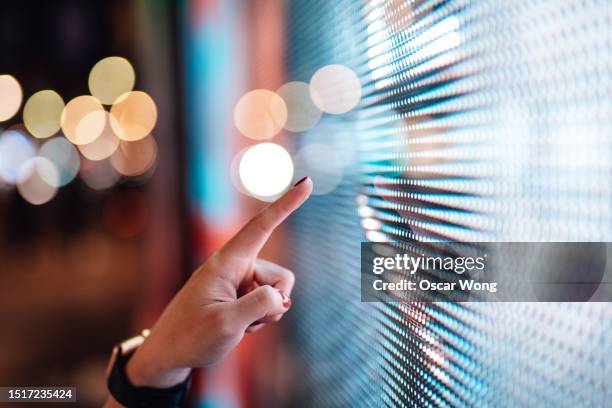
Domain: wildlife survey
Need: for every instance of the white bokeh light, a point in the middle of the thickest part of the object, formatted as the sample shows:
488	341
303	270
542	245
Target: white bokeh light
266	170
33	178
335	89
15	149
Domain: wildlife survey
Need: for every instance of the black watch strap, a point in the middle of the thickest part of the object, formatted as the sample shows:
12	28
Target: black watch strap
135	397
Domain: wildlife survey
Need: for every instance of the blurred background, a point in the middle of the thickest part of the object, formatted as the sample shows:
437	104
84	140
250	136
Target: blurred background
137	136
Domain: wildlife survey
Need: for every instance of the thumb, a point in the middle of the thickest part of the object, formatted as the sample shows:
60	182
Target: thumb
257	304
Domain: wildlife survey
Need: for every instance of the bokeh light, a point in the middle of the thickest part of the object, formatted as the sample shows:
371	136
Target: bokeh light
104	146
266	170
302	113
335	89
260	114
135	158
322	164
15	149
135	115
110	78
98	175
32	181
235	172
42	113
83	119
64	157
11	97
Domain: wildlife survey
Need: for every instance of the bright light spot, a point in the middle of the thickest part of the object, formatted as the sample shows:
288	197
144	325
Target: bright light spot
32	181
260	114
11	97
99	175
104	146
361	199
322	164
135	158
65	159
335	89
376	236
365	211
83	119
371	224
15	149
110	78
266	170
42	113
135	116
302	113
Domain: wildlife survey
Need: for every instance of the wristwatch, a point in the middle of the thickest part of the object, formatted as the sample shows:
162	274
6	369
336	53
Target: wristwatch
132	396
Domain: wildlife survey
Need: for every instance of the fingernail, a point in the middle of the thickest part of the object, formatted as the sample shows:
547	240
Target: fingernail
286	300
300	181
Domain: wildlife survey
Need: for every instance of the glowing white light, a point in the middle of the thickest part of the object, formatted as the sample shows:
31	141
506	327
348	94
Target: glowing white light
335	89
15	149
266	170
371	224
64	157
32	180
322	164
376	236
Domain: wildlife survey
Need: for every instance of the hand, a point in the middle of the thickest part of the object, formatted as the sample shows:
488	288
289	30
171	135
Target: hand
231	293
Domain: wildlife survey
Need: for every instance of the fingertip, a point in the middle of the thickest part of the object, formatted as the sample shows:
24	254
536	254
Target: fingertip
304	186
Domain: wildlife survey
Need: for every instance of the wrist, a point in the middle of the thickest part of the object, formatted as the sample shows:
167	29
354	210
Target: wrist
146	368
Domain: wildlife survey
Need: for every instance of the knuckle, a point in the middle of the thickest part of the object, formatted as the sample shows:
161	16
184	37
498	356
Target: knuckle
265	297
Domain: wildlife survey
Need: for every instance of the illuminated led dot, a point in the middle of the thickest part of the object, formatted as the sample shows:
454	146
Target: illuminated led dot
135	116
266	170
335	89
110	78
260	114
64	157
376	236
42	113
302	113
83	119
11	97
104	146
321	163
135	158
15	149
32	181
99	175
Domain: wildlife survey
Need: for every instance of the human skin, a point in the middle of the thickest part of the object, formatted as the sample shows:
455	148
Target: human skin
232	293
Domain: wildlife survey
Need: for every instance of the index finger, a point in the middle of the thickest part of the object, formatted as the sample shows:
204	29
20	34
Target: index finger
254	235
